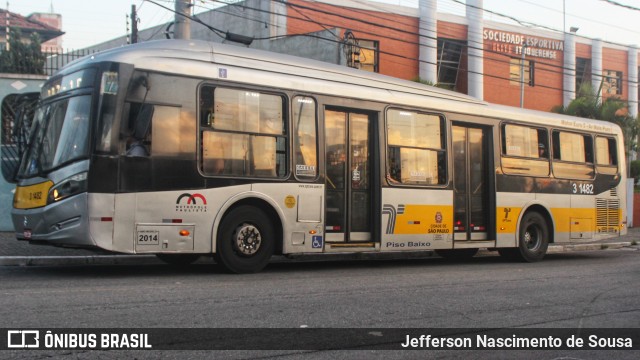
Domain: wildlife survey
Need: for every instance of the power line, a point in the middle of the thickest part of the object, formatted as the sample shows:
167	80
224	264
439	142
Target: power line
622	5
561	67
580	17
383	52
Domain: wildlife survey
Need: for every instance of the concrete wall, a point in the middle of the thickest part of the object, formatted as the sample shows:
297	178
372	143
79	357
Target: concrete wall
13	84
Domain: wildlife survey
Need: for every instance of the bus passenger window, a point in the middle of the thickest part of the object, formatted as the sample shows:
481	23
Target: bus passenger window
206	106
242	133
525	150
305	138
524	141
606	156
573	155
416	154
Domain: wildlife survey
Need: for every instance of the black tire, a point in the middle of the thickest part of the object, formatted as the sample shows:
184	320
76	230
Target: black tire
533	239
245	240
178	259
457	254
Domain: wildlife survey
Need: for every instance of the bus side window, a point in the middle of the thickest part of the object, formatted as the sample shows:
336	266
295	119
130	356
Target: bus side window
573	155
525	150
556	146
606	155
305	138
415	148
206	106
242	132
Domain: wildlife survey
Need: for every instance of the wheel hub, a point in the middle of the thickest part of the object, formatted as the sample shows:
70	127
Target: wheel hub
248	239
531	238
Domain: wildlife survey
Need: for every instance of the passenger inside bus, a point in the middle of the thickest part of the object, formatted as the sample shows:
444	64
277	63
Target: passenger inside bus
141	128
394	176
394	172
542	151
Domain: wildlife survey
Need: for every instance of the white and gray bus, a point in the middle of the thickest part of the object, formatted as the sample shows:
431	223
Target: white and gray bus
189	148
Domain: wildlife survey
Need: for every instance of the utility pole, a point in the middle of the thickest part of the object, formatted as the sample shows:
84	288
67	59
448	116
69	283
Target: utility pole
182	19
7	47
134	25
523	48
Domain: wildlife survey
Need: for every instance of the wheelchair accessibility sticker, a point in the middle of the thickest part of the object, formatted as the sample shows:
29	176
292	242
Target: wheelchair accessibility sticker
316	242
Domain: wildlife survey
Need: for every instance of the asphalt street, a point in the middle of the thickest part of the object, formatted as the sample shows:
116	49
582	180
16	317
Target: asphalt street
22	253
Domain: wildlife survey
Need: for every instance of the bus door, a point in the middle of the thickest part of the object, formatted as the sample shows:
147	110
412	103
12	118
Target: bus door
348	176
471	182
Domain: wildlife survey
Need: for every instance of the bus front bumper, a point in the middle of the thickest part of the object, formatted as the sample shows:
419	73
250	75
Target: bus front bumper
64	223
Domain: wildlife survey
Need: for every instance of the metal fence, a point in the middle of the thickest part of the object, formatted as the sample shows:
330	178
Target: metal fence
56	59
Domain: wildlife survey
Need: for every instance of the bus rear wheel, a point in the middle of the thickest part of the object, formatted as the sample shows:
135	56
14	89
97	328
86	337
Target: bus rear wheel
533	239
245	240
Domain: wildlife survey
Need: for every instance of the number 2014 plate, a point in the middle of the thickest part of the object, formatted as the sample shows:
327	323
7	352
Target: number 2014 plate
148	237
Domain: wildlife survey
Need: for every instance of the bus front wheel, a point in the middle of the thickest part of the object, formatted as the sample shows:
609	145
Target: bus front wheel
533	239
245	242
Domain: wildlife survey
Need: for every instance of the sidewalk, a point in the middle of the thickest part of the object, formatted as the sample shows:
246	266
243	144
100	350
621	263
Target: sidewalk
21	253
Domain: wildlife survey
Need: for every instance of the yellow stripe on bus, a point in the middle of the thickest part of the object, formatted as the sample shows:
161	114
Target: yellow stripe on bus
425	219
565	220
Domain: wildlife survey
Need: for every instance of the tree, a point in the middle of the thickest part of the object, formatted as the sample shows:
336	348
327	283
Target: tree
588	104
22	57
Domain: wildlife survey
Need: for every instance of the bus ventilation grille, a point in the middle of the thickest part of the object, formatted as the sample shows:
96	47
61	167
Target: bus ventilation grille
608	215
613	192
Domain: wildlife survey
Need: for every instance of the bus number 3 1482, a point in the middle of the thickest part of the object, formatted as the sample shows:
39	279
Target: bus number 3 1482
582	188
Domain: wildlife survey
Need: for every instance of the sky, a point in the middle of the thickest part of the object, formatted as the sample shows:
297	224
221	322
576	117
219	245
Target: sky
88	22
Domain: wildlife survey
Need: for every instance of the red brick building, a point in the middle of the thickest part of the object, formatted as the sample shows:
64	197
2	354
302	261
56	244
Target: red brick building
479	57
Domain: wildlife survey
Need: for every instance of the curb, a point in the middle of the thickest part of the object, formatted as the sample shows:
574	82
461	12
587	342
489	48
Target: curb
587	247
152	260
78	260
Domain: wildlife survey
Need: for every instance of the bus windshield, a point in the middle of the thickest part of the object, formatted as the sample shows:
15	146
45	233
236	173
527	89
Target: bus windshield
60	134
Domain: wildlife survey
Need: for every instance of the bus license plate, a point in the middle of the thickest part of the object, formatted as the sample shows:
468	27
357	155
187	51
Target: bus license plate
148	237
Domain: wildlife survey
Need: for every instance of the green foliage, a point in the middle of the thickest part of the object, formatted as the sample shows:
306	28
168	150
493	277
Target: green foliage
430	83
22	57
635	169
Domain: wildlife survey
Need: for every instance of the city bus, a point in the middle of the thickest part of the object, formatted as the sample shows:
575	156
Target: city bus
187	148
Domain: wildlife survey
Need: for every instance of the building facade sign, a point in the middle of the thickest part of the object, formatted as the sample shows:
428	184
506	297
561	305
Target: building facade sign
515	44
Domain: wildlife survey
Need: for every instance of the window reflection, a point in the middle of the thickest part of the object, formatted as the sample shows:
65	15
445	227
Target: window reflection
304	119
243	133
416	152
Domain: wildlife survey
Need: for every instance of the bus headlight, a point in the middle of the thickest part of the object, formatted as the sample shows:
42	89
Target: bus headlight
73	185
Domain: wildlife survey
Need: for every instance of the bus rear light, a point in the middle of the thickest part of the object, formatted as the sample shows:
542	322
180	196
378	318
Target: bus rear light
184	232
312	232
106	219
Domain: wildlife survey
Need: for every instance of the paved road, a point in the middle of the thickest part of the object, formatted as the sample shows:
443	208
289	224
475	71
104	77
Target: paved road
583	289
14	252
